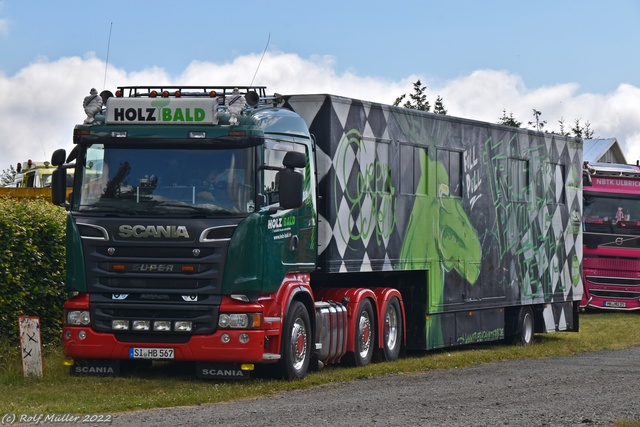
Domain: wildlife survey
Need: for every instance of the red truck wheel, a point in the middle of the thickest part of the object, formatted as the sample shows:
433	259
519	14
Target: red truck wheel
296	343
364	335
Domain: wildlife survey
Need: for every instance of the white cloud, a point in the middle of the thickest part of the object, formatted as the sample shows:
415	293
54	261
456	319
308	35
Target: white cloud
43	101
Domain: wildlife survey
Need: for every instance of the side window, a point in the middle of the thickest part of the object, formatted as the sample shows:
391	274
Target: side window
519	179
452	162
31	179
560	184
274	152
382	172
411	170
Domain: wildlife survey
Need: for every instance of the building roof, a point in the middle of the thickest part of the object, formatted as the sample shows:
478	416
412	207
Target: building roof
603	150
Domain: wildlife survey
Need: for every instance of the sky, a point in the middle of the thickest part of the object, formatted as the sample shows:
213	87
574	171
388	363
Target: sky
568	59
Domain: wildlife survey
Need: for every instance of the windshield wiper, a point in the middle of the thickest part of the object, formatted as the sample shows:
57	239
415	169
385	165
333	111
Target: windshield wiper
108	209
200	209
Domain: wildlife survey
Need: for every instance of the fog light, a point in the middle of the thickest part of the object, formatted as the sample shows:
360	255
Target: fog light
82	335
67	334
244	338
225	338
162	326
120	325
183	326
141	325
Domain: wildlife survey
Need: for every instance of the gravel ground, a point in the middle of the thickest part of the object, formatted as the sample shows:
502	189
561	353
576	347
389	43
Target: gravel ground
590	389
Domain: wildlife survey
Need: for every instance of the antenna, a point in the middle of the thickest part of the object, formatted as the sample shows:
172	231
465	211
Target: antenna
106	65
263	52
42	146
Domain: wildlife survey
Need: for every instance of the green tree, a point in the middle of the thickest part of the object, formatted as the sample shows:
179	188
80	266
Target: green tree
584	132
509	120
562	129
7	176
417	100
438	108
539	124
577	130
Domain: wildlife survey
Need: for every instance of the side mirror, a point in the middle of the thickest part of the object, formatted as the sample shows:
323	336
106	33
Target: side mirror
291	183
58	157
59	185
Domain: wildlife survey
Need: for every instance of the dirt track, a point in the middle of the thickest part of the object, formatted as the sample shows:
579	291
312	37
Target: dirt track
590	389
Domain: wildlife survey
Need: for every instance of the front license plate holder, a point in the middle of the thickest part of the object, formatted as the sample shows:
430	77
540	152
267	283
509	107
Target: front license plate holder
145	353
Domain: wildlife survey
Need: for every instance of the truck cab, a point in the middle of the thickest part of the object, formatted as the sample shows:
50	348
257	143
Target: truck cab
186	219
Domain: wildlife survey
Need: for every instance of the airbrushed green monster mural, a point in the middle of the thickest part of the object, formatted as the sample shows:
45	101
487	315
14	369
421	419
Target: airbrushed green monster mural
439	230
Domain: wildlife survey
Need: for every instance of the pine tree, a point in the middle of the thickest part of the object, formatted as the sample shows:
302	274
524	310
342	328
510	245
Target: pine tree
508	120
417	100
438	108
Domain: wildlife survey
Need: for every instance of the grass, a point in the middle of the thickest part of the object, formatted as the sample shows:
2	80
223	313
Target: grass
167	384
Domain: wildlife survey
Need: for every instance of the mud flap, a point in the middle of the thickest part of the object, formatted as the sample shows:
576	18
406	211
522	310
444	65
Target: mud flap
95	368
217	371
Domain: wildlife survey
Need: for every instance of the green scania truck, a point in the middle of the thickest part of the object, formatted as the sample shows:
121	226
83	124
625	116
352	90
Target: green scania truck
237	230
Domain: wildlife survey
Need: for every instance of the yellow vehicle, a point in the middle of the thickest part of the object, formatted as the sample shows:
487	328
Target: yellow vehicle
34	174
32	180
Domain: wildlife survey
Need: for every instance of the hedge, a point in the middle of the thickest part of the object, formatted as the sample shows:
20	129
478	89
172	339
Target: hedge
32	266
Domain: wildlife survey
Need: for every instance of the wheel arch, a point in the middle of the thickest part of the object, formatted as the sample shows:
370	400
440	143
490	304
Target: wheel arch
355	297
383	296
295	287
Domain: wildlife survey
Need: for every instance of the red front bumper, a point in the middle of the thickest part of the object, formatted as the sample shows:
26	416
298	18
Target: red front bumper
201	348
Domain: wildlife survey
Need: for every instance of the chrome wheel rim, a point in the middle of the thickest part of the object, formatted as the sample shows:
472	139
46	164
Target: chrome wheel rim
391	328
364	339
298	344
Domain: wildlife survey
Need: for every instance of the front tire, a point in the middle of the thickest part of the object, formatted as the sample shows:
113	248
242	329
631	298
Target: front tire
296	343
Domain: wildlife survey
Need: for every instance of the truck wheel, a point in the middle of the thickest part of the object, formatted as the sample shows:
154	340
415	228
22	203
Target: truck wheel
524	332
296	342
364	336
392	331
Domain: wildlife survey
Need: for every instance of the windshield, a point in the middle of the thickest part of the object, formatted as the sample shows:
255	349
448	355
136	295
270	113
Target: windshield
615	213
176	181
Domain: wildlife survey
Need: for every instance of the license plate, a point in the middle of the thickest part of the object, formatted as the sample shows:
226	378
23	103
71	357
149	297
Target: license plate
150	353
615	304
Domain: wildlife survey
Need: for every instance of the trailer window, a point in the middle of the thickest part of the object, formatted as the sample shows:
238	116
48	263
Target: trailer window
519	179
451	176
411	170
383	169
558	184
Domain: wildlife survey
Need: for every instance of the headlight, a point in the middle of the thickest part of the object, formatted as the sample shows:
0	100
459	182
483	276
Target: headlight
78	318
162	325
120	325
183	326
239	321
